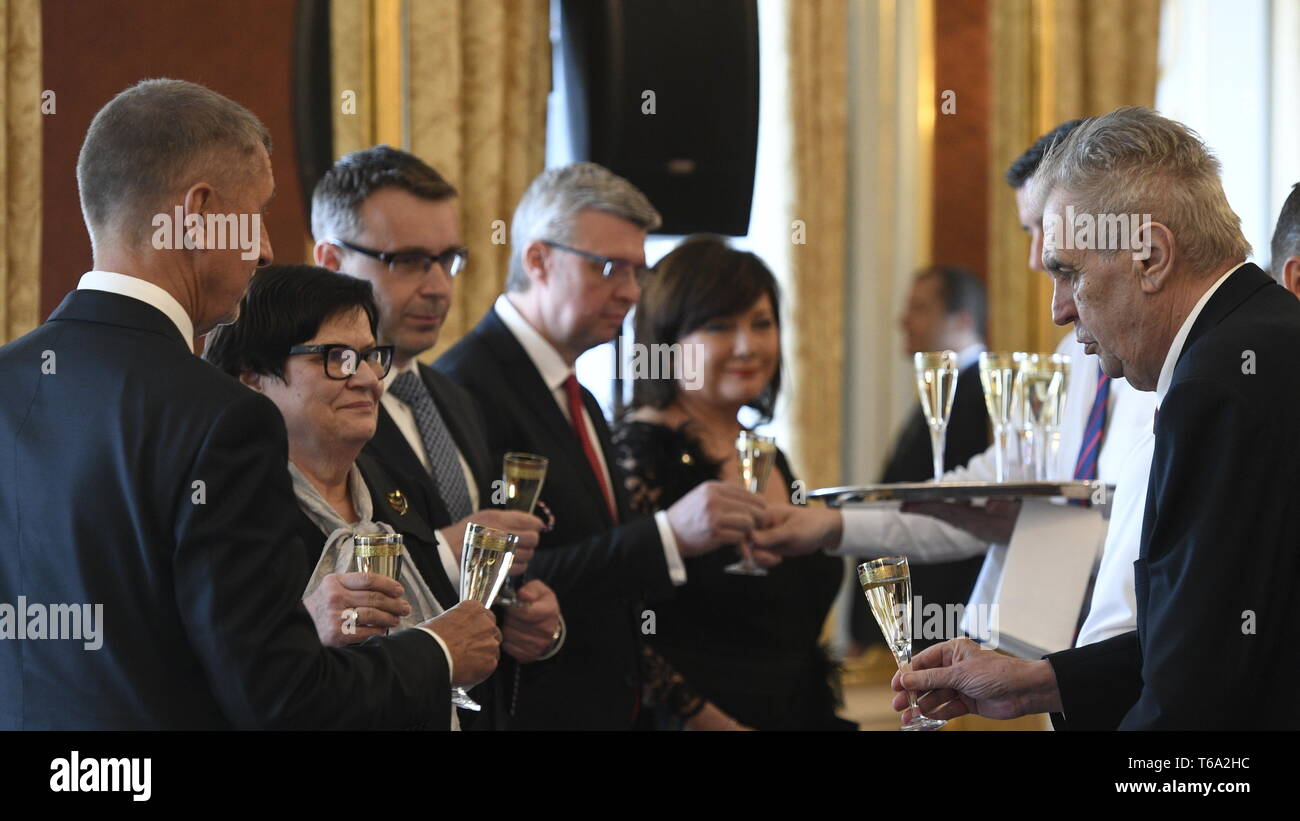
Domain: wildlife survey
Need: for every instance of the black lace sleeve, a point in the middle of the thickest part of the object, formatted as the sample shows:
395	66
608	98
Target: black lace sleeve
659	466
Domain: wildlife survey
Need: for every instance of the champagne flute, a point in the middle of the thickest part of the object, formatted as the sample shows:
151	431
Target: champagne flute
485	560
887	584
378	553
936	381
998	375
757	455
1041	381
523	475
1024	418
1059	365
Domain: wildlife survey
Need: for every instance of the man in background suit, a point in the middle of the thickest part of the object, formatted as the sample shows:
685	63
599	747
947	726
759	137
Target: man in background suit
577	250
383	215
1286	243
141	479
946	310
1215	339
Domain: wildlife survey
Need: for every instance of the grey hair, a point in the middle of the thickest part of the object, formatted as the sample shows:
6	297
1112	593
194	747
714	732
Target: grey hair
154	140
1135	161
550	206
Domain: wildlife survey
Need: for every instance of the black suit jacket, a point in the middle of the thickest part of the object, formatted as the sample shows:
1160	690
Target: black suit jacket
599	572
1218	574
139	477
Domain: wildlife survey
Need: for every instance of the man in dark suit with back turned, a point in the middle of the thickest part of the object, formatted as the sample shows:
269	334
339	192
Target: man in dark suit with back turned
577	250
946	310
1218	571
140	478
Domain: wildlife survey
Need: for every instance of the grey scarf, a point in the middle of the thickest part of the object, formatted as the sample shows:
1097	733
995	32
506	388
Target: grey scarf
336	557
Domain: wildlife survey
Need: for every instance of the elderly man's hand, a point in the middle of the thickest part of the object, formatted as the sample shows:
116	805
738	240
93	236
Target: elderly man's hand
527	528
470	632
960	677
530	625
992	523
352	607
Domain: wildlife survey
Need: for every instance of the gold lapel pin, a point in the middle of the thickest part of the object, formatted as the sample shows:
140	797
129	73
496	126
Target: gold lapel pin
398	502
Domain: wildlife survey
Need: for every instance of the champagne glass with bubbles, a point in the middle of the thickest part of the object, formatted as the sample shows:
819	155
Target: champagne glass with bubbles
887	584
936	382
523	475
998	375
757	455
378	553
484	563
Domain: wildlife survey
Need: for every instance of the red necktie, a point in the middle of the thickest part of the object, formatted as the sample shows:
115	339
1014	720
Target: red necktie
579	420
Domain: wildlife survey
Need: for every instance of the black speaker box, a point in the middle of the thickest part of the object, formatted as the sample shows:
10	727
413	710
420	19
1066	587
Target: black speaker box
665	93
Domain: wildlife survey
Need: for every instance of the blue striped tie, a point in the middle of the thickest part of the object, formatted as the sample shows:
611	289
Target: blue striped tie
444	466
1085	467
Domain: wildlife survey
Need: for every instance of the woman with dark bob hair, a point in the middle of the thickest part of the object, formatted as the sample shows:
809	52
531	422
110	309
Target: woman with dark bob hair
746	646
305	338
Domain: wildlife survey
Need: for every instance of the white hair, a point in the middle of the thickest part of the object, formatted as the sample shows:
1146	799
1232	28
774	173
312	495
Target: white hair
550	206
1135	161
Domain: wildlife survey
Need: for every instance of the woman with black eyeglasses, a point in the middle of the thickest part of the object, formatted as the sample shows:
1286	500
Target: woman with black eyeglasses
305	338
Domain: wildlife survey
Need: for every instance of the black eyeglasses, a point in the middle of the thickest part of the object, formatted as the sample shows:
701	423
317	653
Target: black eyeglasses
413	263
342	361
610	266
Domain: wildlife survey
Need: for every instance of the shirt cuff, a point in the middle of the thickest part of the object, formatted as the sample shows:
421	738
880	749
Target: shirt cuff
676	568
455	719
449	563
451	673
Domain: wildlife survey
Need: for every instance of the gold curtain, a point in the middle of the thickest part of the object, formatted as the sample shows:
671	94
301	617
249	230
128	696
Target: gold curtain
462	84
20	167
1052	61
819	116
480	71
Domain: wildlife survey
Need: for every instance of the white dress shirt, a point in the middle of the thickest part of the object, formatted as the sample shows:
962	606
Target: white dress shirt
146	292
404	418
554	372
1180	338
878	531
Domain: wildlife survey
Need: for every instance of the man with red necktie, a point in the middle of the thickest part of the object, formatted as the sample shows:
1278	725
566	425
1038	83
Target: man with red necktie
577	254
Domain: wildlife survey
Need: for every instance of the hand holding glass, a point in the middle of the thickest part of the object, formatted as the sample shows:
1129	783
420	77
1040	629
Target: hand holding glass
379	553
887	584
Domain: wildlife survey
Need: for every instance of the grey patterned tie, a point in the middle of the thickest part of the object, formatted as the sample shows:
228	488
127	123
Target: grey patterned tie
438	444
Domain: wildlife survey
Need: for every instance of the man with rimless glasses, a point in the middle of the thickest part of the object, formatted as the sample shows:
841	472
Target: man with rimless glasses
577	256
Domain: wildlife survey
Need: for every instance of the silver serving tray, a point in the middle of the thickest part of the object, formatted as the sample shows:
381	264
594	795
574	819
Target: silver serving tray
1097	493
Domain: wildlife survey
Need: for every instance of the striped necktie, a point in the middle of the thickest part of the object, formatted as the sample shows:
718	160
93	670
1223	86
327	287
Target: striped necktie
1085	467
444	465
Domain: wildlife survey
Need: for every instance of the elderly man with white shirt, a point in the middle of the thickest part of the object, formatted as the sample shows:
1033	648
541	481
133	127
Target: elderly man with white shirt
1214	338
1107	438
